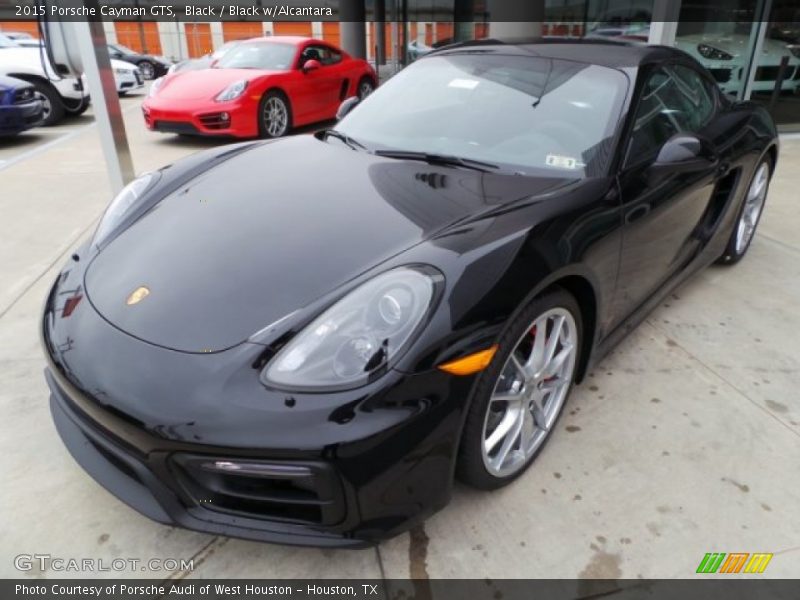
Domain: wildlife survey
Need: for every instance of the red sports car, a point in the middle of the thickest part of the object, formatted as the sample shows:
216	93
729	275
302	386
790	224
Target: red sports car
263	87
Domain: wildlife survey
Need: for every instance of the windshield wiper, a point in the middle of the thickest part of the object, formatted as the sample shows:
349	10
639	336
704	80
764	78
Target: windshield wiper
439	159
343	137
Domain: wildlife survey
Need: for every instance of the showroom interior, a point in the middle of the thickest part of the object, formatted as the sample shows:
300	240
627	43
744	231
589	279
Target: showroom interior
682	442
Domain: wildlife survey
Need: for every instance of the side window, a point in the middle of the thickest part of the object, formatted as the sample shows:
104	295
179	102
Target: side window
697	98
675	99
324	54
332	58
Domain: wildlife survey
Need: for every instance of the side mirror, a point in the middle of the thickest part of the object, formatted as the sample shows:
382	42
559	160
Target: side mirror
346	106
683	153
312	64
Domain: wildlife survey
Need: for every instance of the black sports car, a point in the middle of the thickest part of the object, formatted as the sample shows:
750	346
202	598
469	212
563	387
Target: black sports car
151	67
303	341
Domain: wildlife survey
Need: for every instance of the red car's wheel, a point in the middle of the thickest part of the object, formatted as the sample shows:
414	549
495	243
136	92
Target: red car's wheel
365	87
274	115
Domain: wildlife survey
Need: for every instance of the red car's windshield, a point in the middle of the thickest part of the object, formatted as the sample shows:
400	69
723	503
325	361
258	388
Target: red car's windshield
272	56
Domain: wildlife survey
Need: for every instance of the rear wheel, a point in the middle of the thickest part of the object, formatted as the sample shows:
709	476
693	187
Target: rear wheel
274	115
749	214
365	87
51	102
147	69
78	108
519	398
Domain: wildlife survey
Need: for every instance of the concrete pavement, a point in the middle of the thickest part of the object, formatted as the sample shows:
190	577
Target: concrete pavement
685	440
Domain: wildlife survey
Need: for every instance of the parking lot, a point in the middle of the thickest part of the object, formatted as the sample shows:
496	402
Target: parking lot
685	440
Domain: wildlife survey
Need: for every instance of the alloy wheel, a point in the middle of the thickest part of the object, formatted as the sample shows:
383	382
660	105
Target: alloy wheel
365	88
275	116
753	205
530	392
47	108
148	70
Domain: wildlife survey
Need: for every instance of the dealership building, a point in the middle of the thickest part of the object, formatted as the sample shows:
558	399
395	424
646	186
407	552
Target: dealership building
752	47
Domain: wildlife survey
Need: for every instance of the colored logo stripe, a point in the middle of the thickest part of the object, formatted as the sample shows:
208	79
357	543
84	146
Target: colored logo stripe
734	562
711	562
717	561
758	562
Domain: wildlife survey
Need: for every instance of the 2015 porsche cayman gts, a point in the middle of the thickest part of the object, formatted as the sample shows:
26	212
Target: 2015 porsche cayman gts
305	340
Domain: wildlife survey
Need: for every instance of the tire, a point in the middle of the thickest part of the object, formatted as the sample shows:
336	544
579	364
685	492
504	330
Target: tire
78	109
749	214
365	87
488	413
270	124
147	68
53	104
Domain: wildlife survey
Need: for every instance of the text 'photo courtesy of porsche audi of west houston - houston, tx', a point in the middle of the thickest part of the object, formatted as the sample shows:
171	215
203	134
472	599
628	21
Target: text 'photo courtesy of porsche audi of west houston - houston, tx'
261	87
307	340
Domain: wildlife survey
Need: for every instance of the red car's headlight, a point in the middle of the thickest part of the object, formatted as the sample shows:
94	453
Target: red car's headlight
232	92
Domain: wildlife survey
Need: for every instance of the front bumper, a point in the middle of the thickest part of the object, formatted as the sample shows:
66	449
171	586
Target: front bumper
19	117
208	120
138	480
129	81
362	465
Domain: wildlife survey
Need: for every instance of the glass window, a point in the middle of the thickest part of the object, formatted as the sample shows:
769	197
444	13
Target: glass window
525	114
259	55
675	99
324	54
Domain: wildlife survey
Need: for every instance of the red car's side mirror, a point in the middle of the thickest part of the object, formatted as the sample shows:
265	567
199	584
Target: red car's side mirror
312	64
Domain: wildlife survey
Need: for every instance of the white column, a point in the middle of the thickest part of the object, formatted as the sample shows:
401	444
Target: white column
217	37
111	32
515	29
664	25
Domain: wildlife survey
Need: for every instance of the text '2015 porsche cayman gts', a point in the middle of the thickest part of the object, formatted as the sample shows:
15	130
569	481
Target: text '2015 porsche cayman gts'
306	340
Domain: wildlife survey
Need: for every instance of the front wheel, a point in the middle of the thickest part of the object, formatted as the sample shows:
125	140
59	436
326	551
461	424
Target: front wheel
749	215
519	398
79	108
274	115
52	106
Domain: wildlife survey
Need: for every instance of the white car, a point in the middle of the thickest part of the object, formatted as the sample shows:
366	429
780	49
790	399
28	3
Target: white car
60	95
725	56
127	76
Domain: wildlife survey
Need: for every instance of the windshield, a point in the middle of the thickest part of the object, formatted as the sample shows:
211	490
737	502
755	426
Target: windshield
224	49
7	42
271	56
524	113
123	49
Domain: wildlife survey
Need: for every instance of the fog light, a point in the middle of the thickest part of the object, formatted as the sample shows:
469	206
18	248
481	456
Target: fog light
224	117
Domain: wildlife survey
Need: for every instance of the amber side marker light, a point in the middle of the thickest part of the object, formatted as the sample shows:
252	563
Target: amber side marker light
471	363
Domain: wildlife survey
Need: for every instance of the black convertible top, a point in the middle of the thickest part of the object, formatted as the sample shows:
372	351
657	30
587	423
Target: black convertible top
607	53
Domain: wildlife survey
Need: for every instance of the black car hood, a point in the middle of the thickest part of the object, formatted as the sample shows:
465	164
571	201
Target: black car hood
273	229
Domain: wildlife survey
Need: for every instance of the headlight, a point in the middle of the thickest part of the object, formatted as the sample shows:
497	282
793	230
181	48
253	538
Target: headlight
155	86
121	205
232	92
359	336
712	53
